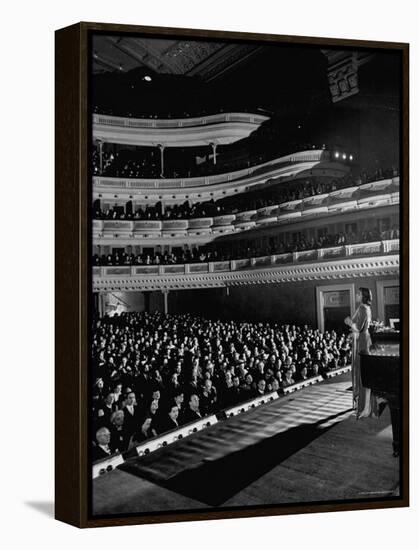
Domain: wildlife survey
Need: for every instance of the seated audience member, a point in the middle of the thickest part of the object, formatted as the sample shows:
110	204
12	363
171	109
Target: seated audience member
275	385
152	412
119	437
101	449
143	433
192	412
98	392
208	400
260	388
303	374
236	395
247	388
131	413
105	410
288	379
169	420
179	400
118	396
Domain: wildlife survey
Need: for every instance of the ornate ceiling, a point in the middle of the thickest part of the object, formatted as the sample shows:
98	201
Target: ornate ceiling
207	60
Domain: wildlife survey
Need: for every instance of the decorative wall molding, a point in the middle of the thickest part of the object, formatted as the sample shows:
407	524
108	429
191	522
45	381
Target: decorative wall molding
342	72
263	271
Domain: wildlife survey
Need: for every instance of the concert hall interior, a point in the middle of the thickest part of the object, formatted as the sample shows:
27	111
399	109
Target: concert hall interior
242	194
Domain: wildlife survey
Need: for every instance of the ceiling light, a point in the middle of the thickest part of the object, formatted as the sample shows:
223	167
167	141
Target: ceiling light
336	155
147	78
351	157
344	156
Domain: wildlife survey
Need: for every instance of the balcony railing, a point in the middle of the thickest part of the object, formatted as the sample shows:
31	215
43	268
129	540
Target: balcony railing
126	122
274	260
270	168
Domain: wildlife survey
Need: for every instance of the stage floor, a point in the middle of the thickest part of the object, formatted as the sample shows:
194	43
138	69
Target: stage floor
305	447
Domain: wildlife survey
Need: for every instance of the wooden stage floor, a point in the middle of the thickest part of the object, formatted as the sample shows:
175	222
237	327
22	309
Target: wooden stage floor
306	447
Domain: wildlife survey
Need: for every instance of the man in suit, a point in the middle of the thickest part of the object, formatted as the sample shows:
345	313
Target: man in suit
119	437
131	414
192	412
260	388
101	448
105	410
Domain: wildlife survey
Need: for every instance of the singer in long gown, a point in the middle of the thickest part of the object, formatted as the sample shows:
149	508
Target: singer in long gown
365	402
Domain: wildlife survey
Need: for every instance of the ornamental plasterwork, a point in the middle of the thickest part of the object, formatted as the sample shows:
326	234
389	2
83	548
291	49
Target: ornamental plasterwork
342	72
325	270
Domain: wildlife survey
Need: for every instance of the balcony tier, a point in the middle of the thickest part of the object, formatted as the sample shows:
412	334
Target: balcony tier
315	162
351	199
221	128
337	262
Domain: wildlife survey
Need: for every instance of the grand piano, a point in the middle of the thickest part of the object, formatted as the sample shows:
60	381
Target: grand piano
381	371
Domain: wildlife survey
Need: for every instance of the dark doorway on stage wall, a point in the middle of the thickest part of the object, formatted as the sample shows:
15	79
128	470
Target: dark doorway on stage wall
336	307
333	318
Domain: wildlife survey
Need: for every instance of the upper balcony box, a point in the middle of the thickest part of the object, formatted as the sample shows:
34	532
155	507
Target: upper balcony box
222	128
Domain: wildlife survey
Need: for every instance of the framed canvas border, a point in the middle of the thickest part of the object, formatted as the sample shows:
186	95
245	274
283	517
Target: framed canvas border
73	277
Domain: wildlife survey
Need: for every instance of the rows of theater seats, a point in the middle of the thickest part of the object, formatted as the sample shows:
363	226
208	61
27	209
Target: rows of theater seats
242	249
154	373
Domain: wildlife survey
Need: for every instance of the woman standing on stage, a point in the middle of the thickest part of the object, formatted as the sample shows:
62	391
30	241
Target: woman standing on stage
365	402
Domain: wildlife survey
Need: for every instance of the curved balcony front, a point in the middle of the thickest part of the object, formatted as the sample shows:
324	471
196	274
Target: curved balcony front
350	199
221	129
314	162
337	262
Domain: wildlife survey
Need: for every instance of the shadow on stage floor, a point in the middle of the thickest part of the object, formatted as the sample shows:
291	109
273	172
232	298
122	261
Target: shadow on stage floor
213	481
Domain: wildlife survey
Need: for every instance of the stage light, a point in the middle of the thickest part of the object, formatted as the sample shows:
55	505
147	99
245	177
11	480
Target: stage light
147	78
351	157
344	156
336	155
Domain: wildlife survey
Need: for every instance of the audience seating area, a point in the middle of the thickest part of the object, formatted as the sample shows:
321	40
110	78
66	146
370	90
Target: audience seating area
153	373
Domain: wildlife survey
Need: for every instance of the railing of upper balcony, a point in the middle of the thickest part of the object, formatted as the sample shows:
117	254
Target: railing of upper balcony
126	122
262	169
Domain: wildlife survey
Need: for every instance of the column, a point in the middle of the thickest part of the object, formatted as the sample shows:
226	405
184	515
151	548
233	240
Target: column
161	147
214	152
100	143
101	304
165	301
